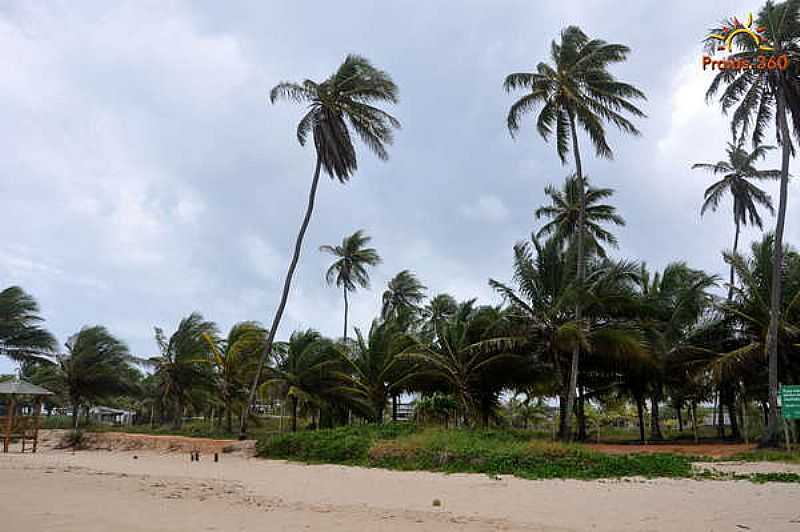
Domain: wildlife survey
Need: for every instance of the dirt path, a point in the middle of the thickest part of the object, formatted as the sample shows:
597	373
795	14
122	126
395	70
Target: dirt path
99	491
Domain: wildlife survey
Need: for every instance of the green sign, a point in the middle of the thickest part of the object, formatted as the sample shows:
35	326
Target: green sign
790	402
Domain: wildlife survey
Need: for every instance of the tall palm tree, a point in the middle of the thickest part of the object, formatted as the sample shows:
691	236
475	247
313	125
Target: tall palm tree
234	360
349	270
403	293
759	97
182	364
577	89
344	101
21	335
304	370
564	212
94	367
737	173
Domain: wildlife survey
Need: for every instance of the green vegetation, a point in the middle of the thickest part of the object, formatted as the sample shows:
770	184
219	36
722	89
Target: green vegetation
491	452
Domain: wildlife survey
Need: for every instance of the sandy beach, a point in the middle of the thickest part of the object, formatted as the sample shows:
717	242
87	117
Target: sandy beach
150	490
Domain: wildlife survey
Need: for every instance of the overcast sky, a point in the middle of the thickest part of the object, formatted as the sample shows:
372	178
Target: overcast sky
144	175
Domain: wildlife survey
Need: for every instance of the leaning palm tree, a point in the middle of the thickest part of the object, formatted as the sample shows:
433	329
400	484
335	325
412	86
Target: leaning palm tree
737	173
182	364
234	359
404	293
21	336
564	212
349	270
94	367
576	90
344	101
759	98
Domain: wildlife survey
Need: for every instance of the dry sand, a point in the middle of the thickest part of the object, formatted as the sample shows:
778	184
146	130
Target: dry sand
110	491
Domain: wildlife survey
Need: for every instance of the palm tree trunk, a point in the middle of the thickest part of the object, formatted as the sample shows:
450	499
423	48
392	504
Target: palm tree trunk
735	248
346	307
573	374
640	413
284	297
228	415
770	437
655	414
581	415
680	419
294	414
75	410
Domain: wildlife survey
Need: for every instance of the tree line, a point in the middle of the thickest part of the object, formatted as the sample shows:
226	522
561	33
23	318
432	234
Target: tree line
575	324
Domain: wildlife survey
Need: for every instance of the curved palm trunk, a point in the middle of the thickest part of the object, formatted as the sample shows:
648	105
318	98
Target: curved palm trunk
284	296
346	308
770	437
566	430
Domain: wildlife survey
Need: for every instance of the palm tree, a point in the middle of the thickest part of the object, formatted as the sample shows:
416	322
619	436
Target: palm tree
234	360
404	293
736	173
564	212
95	367
350	268
671	304
439	309
343	101
750	310
577	89
21	336
304	370
377	367
759	97
472	355
540	301
182	364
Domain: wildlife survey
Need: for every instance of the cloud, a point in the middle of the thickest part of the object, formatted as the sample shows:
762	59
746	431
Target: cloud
487	208
144	175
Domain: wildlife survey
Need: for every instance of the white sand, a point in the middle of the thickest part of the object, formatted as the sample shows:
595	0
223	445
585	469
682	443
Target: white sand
103	491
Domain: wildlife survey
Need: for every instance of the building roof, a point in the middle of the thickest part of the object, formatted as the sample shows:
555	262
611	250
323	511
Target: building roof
20	387
108	410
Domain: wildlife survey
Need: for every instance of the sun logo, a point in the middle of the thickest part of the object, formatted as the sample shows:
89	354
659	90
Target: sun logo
744	30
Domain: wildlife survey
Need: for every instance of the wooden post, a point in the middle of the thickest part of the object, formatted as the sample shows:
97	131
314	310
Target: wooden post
12	406
37	405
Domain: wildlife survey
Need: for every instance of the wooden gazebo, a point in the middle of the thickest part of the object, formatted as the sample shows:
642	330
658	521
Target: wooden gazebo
20	405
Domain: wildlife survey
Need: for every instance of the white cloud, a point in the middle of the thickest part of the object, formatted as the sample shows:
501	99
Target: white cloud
488	208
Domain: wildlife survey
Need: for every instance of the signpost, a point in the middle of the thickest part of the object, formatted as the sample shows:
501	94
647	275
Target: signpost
790	408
